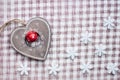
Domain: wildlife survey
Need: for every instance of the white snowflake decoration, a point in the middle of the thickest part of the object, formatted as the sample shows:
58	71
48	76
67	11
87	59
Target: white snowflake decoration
112	68
71	53
23	68
54	69
109	23
86	67
100	50
86	37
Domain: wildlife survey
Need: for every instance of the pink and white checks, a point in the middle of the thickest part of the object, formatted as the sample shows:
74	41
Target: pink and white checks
68	19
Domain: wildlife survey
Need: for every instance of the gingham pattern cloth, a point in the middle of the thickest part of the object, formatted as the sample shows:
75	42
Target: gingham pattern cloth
67	18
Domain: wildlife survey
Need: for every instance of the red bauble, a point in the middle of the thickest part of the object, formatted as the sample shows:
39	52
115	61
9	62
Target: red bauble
31	36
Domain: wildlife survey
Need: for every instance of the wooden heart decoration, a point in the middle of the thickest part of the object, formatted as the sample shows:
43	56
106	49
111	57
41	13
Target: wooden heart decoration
37	49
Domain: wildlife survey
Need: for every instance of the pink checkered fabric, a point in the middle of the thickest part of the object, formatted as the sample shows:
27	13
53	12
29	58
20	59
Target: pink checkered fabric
67	18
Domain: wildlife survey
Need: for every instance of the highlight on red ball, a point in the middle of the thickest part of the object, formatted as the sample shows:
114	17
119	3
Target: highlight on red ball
31	36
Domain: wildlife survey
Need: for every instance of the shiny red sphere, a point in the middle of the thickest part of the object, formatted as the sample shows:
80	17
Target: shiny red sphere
31	36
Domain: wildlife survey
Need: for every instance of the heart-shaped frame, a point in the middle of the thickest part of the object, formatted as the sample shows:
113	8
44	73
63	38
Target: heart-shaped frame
42	27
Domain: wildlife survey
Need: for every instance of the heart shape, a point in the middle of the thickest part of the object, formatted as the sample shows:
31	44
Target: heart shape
36	50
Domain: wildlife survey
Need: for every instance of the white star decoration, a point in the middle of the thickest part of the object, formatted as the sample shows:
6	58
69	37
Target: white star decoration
71	53
100	50
86	67
23	68
109	23
54	69
86	37
112	68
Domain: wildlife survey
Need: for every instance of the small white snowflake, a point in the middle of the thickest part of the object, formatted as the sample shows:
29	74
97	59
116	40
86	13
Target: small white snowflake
54	68
86	67
100	50
71	53
109	23
112	68
86	37
23	68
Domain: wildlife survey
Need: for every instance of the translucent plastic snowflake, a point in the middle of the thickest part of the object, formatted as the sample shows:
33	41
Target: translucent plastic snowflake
54	69
86	37
100	50
86	67
112	68
23	68
109	23
71	53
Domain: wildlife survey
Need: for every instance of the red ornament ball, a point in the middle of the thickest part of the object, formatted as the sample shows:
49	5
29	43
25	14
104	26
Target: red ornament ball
31	36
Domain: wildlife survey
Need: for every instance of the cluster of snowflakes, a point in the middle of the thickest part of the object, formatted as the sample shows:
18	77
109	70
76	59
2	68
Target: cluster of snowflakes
54	68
